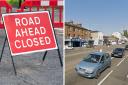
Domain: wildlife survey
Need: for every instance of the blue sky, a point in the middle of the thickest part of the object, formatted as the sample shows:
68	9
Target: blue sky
107	16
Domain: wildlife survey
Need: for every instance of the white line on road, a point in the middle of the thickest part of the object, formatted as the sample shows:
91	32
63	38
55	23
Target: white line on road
111	71
105	78
127	76
120	62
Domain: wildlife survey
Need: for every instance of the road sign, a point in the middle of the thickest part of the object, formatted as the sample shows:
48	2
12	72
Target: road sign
29	32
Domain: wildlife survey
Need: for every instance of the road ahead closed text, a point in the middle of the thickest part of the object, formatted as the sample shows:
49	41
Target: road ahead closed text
25	32
29	32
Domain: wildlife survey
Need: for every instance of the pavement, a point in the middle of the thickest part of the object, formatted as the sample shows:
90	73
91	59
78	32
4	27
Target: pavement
116	75
30	70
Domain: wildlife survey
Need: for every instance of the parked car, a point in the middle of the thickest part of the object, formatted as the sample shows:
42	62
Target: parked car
120	43
126	47
68	47
92	65
85	44
113	43
123	42
118	52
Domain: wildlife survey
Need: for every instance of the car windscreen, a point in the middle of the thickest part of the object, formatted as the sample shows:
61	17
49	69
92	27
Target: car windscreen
93	58
118	50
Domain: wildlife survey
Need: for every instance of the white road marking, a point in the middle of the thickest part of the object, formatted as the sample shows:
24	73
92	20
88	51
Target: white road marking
111	71
105	78
120	62
127	76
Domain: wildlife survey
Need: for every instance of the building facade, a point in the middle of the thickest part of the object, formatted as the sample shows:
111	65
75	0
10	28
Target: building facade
97	37
76	35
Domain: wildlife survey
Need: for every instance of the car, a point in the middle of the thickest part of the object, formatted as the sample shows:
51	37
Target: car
113	43
123	42
92	65
118	52
126	47
68	47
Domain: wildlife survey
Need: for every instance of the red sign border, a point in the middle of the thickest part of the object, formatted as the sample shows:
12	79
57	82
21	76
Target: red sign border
35	51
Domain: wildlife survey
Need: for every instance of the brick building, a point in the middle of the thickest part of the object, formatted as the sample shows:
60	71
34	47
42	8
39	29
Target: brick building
76	35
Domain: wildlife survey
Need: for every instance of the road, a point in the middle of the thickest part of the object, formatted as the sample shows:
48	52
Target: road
117	74
30	70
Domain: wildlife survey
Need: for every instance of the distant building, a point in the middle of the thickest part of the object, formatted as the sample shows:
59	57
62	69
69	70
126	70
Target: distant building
97	37
76	35
117	35
120	37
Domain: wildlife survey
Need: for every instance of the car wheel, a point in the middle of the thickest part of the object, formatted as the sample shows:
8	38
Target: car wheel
97	74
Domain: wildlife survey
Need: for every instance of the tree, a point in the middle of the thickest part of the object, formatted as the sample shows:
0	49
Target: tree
15	3
20	3
125	33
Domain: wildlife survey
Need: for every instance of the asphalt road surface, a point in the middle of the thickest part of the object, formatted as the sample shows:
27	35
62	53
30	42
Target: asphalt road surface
30	70
116	75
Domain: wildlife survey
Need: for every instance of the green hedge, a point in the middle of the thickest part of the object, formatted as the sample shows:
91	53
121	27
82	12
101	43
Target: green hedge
14	2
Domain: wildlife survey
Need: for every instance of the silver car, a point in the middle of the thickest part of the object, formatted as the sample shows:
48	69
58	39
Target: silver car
92	65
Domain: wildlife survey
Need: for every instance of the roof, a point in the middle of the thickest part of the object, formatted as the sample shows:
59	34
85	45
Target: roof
71	23
95	31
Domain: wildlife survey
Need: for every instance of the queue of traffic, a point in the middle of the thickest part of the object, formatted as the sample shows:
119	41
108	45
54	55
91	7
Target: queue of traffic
96	62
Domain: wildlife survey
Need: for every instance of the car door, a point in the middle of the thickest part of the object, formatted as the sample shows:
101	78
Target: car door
107	59
102	63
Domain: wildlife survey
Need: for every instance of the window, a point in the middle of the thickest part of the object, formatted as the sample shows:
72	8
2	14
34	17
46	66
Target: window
70	28
76	30
107	55
102	59
68	35
73	35
93	58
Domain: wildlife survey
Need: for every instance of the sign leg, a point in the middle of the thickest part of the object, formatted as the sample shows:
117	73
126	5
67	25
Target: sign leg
44	56
13	65
11	55
61	63
3	48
